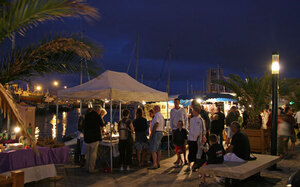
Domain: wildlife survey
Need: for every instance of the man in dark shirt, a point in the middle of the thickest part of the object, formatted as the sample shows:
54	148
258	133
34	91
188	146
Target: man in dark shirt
180	137
231	117
240	145
215	154
92	136
205	117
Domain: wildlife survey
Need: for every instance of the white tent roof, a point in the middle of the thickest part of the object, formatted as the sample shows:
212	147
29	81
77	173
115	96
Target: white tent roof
116	86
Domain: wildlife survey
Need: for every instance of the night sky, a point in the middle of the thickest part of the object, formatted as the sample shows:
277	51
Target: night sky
236	35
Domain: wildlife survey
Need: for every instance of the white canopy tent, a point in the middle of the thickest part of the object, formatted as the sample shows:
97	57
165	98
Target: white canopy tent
113	86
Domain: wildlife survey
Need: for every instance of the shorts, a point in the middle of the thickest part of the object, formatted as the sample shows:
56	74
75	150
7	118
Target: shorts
141	145
229	132
156	142
293	137
179	149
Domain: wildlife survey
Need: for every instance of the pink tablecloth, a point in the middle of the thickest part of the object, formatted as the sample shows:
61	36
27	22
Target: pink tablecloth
25	158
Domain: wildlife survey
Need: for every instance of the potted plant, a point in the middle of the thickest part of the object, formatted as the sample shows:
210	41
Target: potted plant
253	94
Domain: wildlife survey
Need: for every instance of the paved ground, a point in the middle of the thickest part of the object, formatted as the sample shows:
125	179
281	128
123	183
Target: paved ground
167	176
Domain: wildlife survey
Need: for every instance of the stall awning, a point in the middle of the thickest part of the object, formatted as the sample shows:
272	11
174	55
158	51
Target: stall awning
114	86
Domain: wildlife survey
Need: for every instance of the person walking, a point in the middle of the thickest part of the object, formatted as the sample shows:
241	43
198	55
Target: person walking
141	142
289	118
156	135
125	128
92	137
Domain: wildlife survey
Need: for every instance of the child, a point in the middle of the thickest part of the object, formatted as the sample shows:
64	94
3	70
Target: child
215	154
180	136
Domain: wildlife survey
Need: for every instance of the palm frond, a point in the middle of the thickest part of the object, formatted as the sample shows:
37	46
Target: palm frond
62	55
21	15
252	93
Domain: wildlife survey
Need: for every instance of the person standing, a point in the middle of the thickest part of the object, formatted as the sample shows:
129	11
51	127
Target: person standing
217	128
125	128
196	132
221	122
156	135
180	137
205	117
141	141
92	137
176	114
231	117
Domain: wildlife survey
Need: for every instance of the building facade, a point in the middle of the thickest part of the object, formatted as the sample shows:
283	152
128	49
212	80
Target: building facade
211	76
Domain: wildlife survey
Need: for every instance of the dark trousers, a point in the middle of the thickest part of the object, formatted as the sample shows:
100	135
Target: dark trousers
221	138
193	149
125	148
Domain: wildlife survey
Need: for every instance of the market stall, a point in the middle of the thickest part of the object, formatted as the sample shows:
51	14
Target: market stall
113	87
210	101
35	166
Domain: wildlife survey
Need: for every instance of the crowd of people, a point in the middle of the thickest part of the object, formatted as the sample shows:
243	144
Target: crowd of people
202	132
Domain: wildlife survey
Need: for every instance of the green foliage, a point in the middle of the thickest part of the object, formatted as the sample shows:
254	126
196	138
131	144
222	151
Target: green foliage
22	15
252	93
61	54
290	90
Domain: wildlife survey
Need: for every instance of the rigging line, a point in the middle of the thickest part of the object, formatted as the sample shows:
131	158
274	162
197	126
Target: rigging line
131	56
87	70
163	69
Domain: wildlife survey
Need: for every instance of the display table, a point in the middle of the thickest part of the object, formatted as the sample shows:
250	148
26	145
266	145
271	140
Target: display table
114	144
35	167
104	151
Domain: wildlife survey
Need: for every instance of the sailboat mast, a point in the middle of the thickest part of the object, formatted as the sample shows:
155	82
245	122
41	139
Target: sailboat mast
137	56
169	69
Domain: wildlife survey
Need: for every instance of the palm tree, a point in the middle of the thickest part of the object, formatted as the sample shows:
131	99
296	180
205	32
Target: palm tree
290	90
56	54
252	94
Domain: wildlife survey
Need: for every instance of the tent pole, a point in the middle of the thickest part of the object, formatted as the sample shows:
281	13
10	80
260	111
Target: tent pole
120	111
168	125
56	119
8	125
111	121
80	112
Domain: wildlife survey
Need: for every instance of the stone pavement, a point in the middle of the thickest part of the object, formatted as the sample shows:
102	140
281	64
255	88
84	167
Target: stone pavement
168	176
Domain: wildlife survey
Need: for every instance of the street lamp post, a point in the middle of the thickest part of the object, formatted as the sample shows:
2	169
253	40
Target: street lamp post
275	77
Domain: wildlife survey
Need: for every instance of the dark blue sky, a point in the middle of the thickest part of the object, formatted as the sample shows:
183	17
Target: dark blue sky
237	35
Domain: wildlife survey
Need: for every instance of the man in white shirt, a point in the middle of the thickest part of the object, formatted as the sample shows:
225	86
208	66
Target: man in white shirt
196	132
176	114
156	135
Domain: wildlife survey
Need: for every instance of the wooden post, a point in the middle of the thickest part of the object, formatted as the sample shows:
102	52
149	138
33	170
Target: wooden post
18	178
